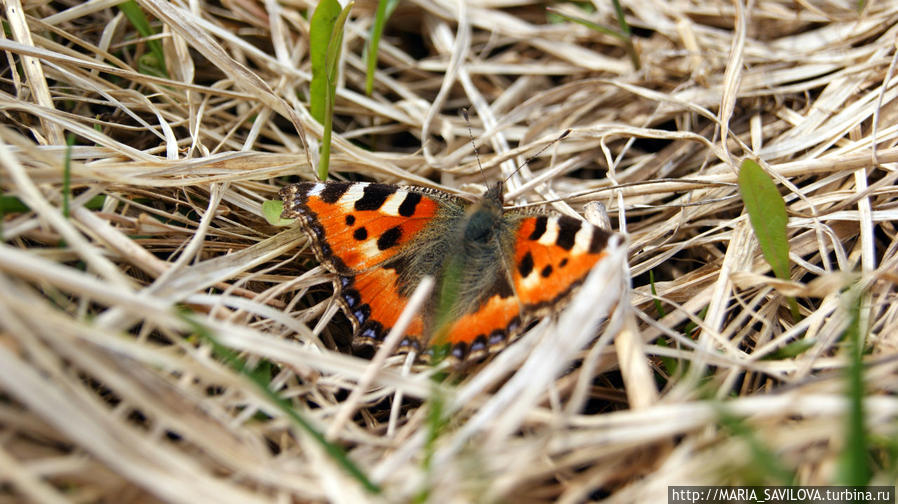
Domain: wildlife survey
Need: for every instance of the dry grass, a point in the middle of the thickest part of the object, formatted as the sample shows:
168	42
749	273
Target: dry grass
106	393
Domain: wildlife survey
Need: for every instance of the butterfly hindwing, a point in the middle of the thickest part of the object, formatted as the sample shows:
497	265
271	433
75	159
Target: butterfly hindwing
373	303
552	256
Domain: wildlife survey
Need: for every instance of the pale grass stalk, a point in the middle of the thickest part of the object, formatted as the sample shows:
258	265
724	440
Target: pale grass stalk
390	343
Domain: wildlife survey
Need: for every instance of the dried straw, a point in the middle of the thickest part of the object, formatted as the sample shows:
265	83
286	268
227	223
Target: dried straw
108	393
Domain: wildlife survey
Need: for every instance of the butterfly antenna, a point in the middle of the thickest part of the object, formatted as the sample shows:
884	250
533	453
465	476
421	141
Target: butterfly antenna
531	158
464	112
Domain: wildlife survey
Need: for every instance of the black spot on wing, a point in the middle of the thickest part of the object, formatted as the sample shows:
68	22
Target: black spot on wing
316	230
390	238
545	272
351	298
459	350
526	265
567	231
497	337
374	196
410	344
479	344
333	191
350	219
563	263
599	241
407	208
539	229
360	234
361	313
372	330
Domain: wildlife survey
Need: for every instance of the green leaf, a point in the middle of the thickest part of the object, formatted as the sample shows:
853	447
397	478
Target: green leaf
385	9
320	28
12	204
96	202
326	35
272	209
767	213
154	63
149	64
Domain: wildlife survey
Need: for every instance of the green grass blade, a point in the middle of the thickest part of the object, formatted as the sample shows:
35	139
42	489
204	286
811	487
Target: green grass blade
587	23
320	28
766	466
669	363
437	423
767	213
691	326
231	358
95	203
658	307
332	65
854	468
623	34
326	41
791	350
154	62
67	176
385	9
621	20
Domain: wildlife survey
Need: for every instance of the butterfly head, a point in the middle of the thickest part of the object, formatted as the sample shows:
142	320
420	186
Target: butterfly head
494	193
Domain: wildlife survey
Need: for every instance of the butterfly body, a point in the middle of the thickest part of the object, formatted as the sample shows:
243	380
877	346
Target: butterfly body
496	269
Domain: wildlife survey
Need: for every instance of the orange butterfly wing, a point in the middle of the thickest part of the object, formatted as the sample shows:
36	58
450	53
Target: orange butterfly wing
357	229
552	256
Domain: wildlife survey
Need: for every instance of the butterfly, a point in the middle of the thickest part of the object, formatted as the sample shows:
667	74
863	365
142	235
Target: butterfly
497	270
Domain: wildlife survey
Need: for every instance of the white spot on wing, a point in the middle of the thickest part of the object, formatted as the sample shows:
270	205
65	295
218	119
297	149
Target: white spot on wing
354	193
369	249
551	235
391	206
582	239
316	189
531	281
